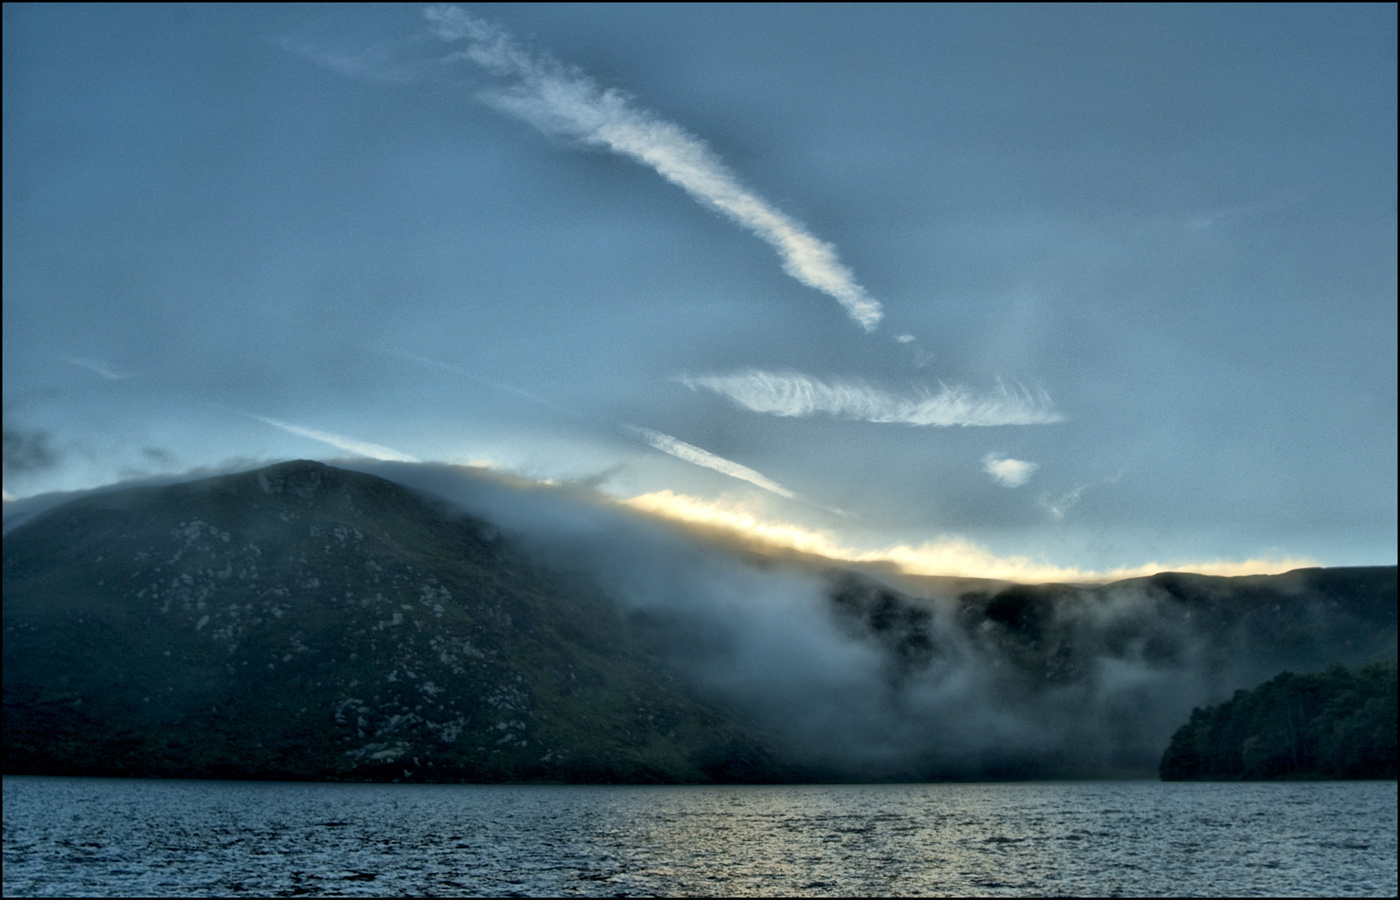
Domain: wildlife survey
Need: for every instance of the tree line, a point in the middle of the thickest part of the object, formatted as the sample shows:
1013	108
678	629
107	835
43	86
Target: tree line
1339	723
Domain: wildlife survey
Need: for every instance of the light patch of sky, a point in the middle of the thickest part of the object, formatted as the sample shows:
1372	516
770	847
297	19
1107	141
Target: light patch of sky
1140	208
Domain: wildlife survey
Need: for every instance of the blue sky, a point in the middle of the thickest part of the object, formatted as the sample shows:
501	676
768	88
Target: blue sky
1044	291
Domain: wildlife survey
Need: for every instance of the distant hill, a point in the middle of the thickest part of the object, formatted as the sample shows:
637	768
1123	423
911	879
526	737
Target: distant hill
1335	724
308	622
304	621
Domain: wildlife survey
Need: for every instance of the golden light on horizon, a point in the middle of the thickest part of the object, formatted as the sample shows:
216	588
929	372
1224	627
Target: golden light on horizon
946	555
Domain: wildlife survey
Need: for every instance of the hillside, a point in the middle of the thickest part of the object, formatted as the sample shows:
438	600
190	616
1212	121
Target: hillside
304	621
308	622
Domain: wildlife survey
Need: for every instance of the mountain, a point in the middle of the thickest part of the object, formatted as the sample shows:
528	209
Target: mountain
439	624
1061	680
307	622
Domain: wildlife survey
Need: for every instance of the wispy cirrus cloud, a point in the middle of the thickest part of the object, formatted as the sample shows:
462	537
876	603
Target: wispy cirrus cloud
384	62
696	456
459	370
795	394
1007	471
1057	507
99	368
349	445
560	100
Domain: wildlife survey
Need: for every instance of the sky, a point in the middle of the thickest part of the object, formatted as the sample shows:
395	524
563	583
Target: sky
1033	292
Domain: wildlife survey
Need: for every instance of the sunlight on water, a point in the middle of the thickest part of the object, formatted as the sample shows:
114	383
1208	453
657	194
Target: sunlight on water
131	838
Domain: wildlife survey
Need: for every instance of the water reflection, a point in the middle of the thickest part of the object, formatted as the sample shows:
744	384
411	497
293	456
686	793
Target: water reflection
113	837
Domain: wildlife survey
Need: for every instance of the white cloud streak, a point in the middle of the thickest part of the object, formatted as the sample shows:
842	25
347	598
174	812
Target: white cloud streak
1058	507
696	456
349	445
98	368
560	100
795	394
1008	472
458	370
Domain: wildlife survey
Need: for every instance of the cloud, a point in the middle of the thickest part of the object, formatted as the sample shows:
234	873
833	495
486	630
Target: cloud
696	456
560	100
794	394
458	370
349	445
1058	507
1249	210
905	338
99	368
946	555
28	451
1009	472
846	673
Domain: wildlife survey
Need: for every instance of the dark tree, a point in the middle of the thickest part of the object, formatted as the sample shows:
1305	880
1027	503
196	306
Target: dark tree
1335	724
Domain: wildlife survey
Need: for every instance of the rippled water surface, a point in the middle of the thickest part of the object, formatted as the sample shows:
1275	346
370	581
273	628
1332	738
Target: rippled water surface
78	836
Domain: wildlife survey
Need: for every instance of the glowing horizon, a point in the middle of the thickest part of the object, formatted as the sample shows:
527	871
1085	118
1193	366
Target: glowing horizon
949	556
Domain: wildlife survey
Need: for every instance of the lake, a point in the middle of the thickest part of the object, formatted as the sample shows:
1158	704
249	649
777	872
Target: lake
114	837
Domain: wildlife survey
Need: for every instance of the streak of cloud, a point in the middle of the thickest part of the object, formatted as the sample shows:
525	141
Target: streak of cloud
98	368
560	100
1247	211
464	373
795	394
696	456
1057	507
349	445
1008	472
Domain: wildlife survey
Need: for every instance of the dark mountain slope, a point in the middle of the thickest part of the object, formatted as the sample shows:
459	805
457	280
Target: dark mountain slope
308	622
303	621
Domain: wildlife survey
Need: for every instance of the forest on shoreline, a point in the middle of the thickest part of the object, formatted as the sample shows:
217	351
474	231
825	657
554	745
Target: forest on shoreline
1340	723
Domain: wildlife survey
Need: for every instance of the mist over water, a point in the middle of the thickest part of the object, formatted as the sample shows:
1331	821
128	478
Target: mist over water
859	681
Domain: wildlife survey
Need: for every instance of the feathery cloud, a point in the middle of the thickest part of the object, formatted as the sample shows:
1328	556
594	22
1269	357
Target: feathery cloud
98	368
696	456
795	394
1058	506
458	370
1009	472
349	445
560	100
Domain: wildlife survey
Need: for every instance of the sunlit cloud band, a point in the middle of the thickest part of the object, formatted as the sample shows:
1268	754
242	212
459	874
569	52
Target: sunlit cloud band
947	555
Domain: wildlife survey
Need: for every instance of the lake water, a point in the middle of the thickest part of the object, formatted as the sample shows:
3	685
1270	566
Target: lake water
113	837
